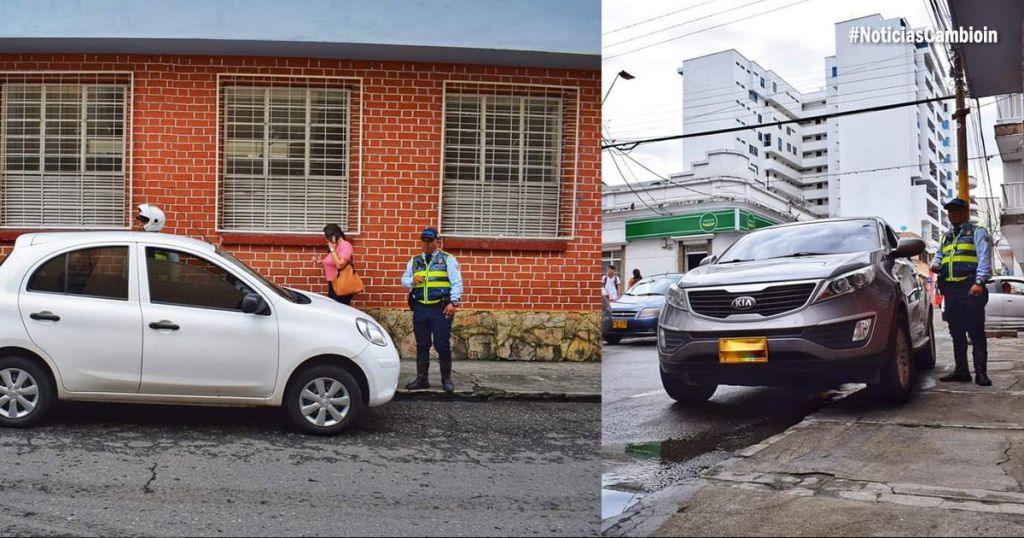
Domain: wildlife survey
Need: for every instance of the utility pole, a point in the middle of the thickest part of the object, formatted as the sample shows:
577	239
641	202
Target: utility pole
962	185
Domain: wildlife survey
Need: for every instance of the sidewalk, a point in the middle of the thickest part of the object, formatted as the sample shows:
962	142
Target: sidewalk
951	462
479	380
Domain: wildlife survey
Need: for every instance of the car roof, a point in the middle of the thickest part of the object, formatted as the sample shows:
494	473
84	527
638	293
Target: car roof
62	238
661	275
817	221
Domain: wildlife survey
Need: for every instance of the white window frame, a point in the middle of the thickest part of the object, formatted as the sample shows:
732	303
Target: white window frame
78	78
358	177
508	89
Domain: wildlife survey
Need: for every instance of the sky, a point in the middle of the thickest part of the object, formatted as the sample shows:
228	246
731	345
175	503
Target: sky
792	39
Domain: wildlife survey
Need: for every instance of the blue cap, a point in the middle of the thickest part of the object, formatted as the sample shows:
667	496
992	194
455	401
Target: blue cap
429	233
956	203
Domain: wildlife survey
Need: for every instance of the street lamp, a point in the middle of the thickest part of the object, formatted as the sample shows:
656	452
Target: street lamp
624	75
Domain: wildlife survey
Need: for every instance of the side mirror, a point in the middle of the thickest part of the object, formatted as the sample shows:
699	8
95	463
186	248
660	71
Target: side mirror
908	247
252	303
707	260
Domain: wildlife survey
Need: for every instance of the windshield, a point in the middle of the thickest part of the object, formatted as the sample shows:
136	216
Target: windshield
238	264
818	238
654	286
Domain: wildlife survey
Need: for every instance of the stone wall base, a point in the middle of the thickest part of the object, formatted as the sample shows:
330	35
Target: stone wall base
506	334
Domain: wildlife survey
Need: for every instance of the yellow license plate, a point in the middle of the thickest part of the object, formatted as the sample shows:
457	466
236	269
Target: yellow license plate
619	324
742	350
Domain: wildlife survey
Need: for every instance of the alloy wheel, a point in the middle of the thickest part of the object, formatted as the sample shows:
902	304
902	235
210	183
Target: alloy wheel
19	393
903	359
324	402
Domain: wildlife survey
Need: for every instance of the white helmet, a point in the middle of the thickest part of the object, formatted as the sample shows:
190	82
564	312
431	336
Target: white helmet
151	217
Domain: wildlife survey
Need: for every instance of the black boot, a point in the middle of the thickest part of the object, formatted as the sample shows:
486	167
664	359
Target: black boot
420	382
446	380
958	375
982	379
421	378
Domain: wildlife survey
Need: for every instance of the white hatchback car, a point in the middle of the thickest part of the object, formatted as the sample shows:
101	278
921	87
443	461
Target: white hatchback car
157	318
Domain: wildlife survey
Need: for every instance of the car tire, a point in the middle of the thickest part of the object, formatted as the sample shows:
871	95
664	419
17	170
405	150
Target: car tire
680	391
325	383
612	339
925	357
896	378
33	389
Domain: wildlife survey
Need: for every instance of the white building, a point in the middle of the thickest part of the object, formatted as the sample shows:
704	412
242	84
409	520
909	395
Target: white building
668	226
896	164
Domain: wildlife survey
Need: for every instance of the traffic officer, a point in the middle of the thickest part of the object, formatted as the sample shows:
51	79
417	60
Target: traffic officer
435	291
963	266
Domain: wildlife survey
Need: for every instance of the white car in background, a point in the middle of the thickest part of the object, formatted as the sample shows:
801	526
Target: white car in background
1005	308
155	318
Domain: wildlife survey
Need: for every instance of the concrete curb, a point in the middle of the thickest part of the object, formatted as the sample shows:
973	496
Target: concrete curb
482	394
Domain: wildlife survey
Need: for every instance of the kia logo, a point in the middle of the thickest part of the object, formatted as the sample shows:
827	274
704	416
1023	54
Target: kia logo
744	303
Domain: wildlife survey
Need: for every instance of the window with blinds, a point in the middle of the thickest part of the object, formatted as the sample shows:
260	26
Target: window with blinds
285	158
64	155
502	165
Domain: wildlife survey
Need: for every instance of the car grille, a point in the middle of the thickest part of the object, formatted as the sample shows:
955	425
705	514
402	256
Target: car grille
770	301
770	333
624	314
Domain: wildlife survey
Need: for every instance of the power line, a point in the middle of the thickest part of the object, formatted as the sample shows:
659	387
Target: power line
672	181
634	143
631	189
988	174
744	92
684	23
727	111
670	13
606	58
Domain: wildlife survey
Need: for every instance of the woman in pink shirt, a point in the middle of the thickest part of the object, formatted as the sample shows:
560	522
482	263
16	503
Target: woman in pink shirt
339	256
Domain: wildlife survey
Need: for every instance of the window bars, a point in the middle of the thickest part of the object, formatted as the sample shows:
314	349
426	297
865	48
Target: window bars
289	153
510	160
66	149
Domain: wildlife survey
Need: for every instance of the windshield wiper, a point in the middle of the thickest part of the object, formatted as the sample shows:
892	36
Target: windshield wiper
799	254
736	260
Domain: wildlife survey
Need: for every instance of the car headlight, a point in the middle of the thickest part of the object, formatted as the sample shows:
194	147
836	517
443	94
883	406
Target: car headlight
676	297
846	283
652	312
371	331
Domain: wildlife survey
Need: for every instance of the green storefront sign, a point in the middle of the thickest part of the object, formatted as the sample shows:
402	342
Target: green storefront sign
721	220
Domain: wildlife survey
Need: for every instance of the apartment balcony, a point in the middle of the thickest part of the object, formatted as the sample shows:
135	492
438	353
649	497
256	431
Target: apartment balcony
1012	217
1009	108
1013	197
1009	129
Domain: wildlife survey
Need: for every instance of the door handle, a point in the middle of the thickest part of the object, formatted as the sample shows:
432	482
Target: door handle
164	324
45	315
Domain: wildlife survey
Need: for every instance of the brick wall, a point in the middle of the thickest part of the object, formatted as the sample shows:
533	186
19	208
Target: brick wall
175	160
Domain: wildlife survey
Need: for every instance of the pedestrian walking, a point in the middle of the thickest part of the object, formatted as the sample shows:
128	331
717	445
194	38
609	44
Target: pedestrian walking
434	279
340	255
636	278
610	285
963	266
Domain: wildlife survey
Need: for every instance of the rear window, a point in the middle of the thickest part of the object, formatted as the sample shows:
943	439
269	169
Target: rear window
651	287
93	272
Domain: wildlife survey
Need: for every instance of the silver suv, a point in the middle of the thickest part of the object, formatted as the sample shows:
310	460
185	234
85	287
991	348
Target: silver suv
809	303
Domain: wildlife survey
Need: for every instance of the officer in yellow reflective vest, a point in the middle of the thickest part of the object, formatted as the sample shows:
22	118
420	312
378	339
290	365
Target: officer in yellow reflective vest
963	267
434	280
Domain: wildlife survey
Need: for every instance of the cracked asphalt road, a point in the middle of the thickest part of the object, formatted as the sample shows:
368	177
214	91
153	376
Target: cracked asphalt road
409	468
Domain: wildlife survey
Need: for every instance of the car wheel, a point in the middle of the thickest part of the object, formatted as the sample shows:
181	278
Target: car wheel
323	400
683	392
612	339
925	358
26	393
896	379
